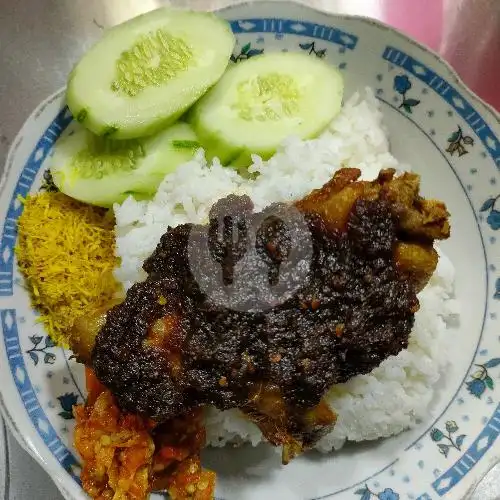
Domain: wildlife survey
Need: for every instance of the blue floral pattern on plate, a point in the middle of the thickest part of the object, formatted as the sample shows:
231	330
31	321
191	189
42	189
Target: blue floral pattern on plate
402	85
481	379
311	48
40	349
458	142
367	494
490	206
452	441
67	401
246	52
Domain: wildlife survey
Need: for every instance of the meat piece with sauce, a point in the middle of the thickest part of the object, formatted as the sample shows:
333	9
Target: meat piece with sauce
265	312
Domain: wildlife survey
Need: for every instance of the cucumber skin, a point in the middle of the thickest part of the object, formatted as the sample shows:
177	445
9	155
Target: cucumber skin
142	185
216	146
214	141
83	114
109	129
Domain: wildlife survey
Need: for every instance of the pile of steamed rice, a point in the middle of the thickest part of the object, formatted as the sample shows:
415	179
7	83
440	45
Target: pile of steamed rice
398	393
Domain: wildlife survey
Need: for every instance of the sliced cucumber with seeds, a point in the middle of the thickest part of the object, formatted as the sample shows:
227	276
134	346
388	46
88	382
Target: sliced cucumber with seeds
103	171
263	100
143	74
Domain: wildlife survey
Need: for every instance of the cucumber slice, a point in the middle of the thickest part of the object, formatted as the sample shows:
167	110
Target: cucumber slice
263	100
143	74
103	171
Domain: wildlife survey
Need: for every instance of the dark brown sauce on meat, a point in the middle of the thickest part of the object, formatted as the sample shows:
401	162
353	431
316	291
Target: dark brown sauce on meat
350	312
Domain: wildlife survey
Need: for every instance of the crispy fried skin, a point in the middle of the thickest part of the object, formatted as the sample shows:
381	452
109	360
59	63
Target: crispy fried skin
418	217
85	330
168	348
420	221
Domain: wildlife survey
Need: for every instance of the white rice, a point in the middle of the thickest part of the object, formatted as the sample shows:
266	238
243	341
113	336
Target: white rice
394	396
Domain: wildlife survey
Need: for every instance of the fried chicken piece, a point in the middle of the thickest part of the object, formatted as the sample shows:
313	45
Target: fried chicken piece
192	336
418	217
84	332
420	221
267	408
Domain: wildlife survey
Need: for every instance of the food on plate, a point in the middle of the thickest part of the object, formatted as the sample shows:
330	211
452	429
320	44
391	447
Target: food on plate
128	140
117	449
143	74
65	251
103	171
273	360
286	401
419	221
299	298
126	455
258	104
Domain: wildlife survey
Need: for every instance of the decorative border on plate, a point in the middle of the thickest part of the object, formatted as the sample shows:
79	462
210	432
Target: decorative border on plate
487	283
28	395
468	460
294	27
23	186
464	109
450	94
62	120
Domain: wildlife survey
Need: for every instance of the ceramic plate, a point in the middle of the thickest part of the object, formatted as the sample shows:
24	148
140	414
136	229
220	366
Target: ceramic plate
437	125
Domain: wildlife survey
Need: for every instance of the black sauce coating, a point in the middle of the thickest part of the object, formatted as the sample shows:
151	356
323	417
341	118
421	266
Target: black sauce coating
343	316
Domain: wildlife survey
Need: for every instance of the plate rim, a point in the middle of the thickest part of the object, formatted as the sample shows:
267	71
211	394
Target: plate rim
454	77
374	22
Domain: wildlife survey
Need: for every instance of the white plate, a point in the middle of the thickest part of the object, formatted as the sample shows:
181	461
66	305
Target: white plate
437	125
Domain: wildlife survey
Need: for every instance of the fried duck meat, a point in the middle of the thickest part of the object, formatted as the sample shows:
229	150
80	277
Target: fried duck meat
265	312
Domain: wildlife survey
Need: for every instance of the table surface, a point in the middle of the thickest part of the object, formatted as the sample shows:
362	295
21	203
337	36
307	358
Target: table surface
40	40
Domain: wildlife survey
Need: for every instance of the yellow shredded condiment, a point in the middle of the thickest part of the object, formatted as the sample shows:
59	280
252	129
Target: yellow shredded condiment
66	253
